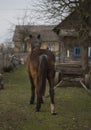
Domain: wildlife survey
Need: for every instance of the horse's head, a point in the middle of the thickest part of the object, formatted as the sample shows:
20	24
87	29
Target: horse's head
35	40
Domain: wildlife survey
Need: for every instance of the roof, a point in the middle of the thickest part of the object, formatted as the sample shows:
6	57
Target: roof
68	22
46	32
73	21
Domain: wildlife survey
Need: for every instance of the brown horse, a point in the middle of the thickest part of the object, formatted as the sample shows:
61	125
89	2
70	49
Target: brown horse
41	66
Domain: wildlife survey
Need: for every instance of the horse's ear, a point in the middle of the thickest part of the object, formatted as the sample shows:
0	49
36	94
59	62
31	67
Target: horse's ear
30	36
38	36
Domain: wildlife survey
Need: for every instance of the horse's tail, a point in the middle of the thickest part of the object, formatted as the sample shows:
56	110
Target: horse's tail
43	63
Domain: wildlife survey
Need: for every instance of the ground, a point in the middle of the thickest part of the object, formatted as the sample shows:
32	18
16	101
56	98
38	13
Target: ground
73	106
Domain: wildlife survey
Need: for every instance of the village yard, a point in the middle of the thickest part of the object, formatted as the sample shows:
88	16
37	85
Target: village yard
73	106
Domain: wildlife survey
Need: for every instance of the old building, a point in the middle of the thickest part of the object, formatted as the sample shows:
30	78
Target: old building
68	31
50	39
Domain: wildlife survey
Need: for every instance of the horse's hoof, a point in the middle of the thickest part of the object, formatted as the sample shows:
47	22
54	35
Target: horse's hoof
37	110
42	101
54	113
31	102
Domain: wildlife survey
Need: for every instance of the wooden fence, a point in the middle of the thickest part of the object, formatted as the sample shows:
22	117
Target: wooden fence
5	59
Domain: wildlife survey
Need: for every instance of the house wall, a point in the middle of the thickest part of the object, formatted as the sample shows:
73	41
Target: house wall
18	47
49	45
67	50
54	46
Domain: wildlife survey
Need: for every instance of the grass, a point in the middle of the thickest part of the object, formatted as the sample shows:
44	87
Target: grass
73	105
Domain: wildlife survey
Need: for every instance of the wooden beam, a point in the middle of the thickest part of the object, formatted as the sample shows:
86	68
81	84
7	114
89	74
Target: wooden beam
55	87
84	86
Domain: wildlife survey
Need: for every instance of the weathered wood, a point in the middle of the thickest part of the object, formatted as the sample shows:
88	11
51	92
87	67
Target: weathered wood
88	80
58	84
84	86
55	87
75	73
70	69
84	58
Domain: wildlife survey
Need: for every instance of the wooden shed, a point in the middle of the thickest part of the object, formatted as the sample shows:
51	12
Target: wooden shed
70	42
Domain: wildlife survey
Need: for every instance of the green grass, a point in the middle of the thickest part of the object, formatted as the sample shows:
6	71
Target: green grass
73	105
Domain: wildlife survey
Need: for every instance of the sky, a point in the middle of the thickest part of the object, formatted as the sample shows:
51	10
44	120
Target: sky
10	11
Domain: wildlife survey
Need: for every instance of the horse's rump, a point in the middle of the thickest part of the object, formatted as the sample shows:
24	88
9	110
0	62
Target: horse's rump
37	55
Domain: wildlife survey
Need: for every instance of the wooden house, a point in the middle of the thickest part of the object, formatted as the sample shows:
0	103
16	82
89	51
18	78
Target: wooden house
50	40
70	47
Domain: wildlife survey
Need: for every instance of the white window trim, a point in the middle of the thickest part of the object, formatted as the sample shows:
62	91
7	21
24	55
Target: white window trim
89	51
68	53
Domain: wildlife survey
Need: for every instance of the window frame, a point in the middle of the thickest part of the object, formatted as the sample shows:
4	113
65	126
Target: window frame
77	49
89	51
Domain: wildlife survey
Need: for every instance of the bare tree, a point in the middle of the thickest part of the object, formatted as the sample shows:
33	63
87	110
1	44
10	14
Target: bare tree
54	10
21	29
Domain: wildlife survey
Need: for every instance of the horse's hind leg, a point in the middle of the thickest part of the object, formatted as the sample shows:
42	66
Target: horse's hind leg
51	92
39	98
38	105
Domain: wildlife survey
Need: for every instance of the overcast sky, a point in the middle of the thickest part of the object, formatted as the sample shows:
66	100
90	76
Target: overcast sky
10	11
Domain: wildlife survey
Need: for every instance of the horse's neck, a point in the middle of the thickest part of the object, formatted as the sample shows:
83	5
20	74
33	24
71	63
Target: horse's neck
35	51
35	48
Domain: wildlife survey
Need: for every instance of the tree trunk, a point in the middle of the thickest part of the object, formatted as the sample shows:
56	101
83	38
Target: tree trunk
84	58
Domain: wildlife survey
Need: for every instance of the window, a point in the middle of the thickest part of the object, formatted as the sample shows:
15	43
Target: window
51	47
77	51
89	51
